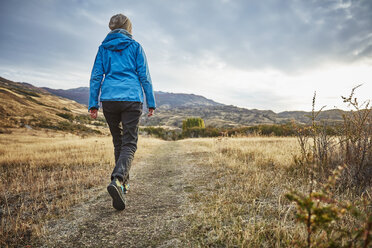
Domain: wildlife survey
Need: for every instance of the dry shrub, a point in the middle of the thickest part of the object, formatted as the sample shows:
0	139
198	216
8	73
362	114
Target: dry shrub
356	143
352	146
346	160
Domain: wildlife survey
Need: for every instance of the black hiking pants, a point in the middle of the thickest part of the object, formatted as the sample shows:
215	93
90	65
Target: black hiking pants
124	137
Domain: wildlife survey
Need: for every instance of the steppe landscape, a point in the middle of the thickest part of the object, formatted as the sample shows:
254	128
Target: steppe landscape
246	191
255	131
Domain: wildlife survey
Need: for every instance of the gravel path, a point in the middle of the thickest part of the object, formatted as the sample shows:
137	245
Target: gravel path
155	213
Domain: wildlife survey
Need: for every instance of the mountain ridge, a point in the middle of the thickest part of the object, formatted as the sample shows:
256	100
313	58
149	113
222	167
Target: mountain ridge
173	108
165	99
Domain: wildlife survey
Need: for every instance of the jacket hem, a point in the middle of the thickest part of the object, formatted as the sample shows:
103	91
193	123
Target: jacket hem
121	100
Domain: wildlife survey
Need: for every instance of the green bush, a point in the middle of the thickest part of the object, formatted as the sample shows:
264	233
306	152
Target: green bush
193	122
162	133
289	129
196	132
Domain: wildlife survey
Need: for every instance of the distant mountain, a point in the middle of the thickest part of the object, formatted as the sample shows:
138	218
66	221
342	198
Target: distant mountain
216	116
80	95
173	100
172	108
163	99
232	116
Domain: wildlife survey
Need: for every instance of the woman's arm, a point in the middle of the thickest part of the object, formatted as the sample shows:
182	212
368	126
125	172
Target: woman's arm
145	78
96	80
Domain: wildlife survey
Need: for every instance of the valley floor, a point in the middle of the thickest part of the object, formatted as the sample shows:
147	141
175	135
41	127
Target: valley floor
210	192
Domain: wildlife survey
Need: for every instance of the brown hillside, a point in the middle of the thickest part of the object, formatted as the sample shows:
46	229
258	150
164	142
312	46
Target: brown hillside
23	105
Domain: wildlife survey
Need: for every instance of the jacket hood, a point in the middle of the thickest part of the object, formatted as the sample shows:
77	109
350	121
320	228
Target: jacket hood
117	39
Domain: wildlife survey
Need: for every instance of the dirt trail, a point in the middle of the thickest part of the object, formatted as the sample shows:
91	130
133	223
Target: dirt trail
156	206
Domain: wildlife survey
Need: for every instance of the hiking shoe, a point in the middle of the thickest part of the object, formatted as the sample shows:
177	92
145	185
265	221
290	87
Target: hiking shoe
126	188
116	191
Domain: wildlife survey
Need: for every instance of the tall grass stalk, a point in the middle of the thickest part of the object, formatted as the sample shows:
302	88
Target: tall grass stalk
346	160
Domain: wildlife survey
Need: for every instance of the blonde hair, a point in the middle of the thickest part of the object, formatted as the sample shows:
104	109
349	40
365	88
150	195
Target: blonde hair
120	21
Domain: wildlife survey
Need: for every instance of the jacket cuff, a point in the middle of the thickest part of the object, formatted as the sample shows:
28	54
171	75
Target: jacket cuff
91	108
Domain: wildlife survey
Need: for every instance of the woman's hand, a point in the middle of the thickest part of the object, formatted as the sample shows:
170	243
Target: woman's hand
93	113
151	112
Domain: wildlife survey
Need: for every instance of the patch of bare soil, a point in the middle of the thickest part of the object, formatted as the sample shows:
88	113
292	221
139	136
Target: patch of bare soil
157	204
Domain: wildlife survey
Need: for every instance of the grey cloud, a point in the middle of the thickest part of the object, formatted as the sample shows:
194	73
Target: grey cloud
46	33
285	35
288	35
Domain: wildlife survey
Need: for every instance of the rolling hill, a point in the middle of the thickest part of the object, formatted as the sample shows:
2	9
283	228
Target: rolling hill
25	104
173	108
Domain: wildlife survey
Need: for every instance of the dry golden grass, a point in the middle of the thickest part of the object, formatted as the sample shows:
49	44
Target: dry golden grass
240	201
43	174
237	201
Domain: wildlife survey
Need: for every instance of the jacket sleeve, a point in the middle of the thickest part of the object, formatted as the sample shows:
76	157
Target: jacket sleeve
96	80
145	78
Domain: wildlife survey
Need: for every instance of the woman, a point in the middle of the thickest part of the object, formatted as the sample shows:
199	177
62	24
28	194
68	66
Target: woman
120	73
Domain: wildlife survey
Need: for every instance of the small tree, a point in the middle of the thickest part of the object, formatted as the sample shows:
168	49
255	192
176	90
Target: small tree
193	122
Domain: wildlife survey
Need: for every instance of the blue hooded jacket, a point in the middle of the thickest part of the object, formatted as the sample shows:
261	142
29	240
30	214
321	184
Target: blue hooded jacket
120	71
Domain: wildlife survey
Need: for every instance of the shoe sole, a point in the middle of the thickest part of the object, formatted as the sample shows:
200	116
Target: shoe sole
117	201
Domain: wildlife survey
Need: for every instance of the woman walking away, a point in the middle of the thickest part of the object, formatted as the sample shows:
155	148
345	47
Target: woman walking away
121	74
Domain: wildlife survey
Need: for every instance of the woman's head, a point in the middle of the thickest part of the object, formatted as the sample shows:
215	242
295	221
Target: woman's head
120	21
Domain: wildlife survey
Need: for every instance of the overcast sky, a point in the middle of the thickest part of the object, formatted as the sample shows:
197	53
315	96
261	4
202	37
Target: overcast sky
268	54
